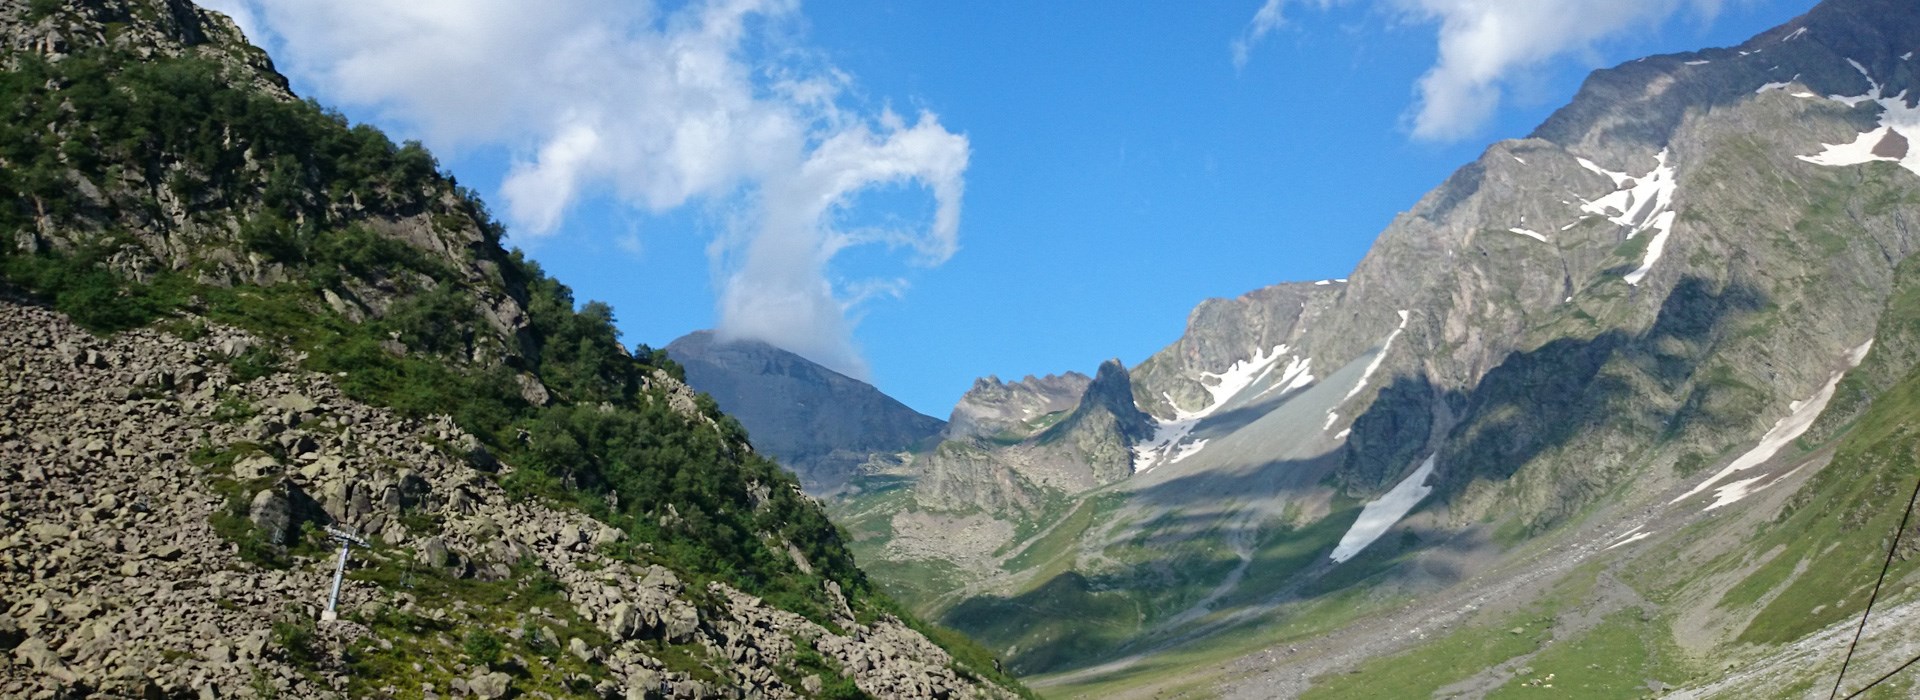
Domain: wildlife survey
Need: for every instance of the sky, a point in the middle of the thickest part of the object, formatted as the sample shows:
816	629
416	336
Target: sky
920	193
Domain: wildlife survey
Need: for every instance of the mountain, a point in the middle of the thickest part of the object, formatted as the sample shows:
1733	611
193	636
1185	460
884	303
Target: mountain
1011	410
235	323
1618	403
819	423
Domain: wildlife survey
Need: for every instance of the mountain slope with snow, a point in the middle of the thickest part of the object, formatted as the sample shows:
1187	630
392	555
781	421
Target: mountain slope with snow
1641	320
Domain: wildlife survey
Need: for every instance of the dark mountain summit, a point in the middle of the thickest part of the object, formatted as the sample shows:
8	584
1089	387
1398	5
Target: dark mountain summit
819	423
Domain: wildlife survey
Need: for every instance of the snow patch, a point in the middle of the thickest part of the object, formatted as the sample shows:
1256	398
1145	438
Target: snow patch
1630	538
1294	376
1342	435
1168	444
1797	33
1518	159
1894	141
1530	234
1641	204
1908	56
1800	417
1377	359
1322	283
1698	63
1806	95
1771	86
1383	512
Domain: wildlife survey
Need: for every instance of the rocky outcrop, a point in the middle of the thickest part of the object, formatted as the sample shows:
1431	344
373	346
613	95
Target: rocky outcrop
1223	332
126	463
1090	447
1014	410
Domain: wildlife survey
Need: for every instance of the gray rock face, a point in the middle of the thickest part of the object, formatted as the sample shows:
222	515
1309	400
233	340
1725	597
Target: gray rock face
1088	448
1014	409
819	423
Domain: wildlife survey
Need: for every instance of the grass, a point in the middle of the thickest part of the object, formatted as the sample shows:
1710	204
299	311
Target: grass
475	621
1054	551
1613	660
1443	662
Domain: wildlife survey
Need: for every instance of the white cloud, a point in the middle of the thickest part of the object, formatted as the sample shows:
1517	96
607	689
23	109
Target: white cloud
713	102
1485	44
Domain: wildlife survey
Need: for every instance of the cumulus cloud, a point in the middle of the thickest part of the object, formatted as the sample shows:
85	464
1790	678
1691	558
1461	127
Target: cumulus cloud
1483	44
714	102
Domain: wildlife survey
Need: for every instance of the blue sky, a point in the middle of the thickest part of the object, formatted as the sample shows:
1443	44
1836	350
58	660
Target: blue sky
921	193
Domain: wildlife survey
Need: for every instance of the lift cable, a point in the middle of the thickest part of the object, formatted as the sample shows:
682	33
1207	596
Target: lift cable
1891	550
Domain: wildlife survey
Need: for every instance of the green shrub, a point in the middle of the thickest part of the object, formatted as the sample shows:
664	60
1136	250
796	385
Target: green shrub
483	647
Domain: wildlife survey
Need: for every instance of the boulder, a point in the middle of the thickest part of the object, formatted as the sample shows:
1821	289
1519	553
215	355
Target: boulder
434	553
273	514
490	685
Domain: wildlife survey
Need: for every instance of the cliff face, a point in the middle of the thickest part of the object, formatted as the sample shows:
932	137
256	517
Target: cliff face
233	320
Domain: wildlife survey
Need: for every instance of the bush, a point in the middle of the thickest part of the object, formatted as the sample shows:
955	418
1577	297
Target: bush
483	648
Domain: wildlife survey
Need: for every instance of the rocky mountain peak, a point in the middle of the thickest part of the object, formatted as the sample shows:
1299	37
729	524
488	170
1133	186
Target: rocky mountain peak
993	407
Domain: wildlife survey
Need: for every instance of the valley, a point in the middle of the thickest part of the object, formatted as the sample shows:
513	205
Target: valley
1611	410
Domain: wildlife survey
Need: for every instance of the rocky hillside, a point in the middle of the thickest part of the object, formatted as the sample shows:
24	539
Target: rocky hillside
162	511
233	319
819	423
1618	328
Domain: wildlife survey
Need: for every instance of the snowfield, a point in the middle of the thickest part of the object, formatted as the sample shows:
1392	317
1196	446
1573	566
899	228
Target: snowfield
1641	204
1892	141
1169	446
1383	512
1799	418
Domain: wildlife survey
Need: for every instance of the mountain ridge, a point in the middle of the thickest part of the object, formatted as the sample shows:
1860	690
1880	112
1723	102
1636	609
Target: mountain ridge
1572	334
819	423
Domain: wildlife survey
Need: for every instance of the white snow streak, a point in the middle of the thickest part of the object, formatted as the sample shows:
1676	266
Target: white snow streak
1383	512
1167	446
1698	63
1377	359
1642	204
1800	417
1293	377
1797	33
1630	539
1530	234
1333	414
1897	121
1733	492
1771	86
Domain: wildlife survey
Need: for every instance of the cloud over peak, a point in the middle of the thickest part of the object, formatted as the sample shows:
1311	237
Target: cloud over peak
1483	44
711	102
